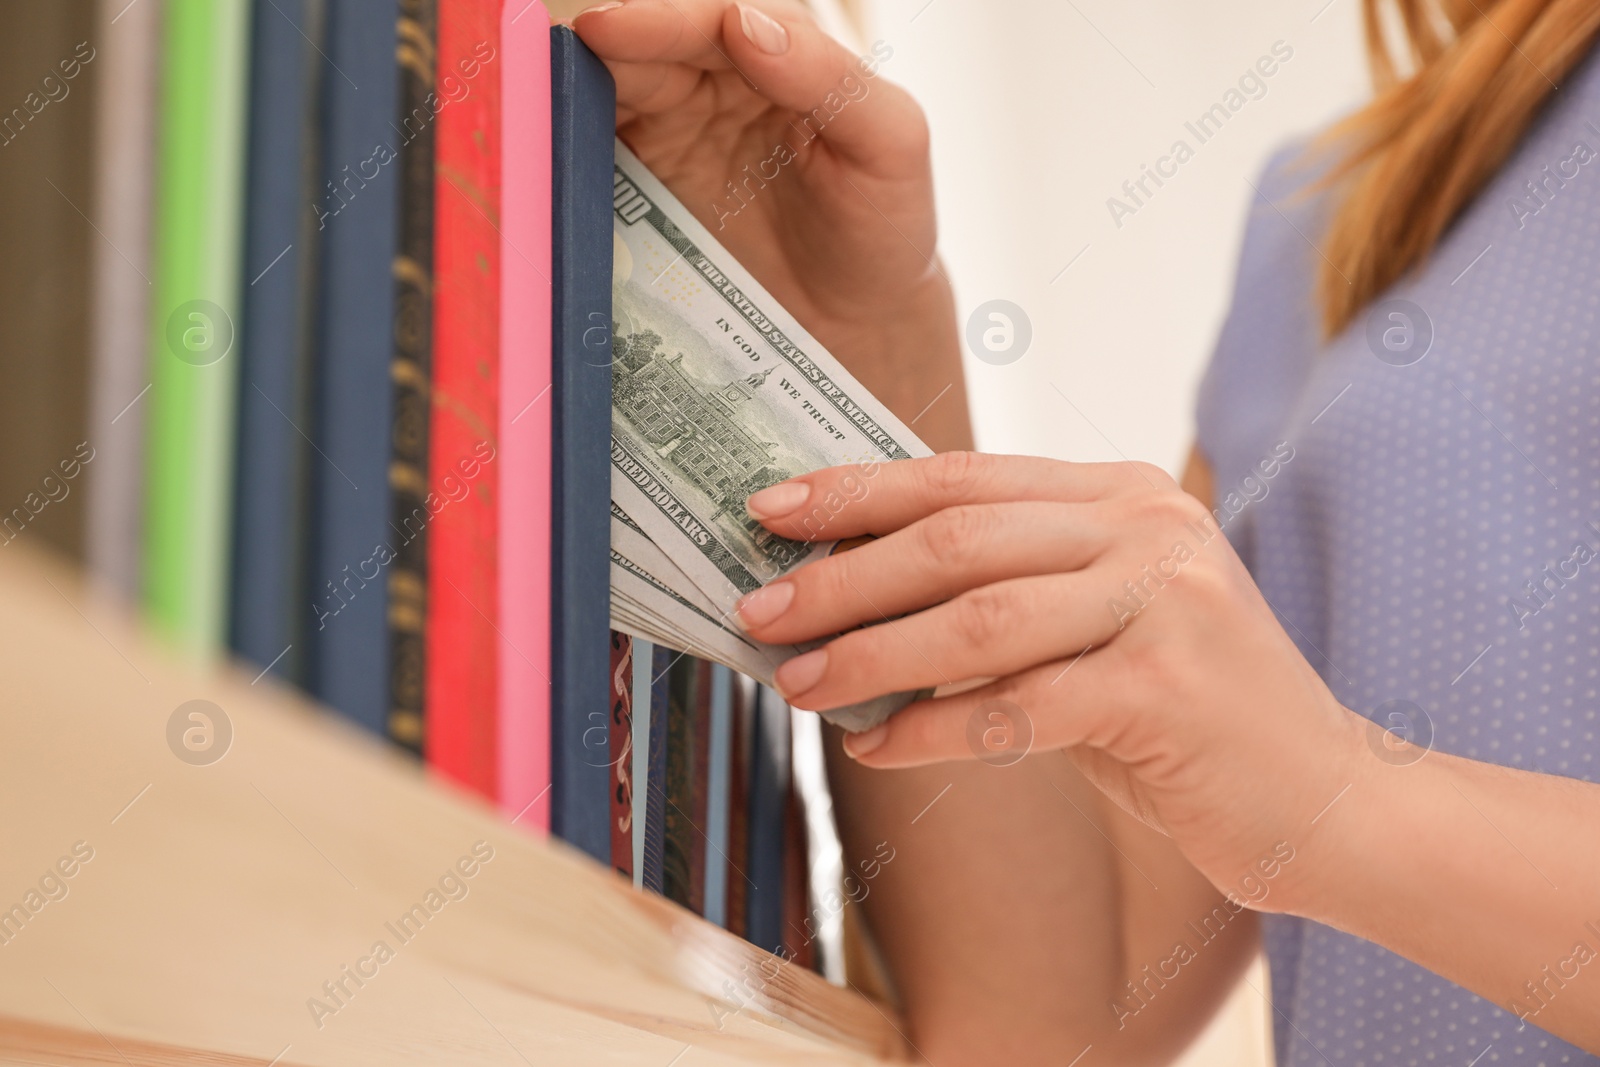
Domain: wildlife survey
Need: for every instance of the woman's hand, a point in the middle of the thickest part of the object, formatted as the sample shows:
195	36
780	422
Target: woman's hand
1113	616
809	165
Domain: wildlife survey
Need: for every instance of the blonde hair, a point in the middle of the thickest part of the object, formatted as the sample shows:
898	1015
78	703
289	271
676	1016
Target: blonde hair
1414	157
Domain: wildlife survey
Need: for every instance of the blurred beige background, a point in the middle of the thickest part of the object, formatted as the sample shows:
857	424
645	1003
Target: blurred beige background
1040	110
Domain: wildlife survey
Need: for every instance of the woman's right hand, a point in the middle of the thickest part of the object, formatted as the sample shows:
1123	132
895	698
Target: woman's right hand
803	160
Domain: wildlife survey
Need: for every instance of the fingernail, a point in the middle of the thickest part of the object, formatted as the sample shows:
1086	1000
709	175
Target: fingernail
776	501
764	31
801	673
612	6
762	606
858	745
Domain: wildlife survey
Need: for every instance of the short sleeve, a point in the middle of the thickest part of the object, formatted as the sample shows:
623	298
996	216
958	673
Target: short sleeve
1269	338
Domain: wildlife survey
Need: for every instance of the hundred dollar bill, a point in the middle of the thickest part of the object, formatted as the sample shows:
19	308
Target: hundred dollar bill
718	392
648	591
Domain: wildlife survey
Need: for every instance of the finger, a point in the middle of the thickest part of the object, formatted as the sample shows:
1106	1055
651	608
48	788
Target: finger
878	498
988	632
928	562
785	57
1054	705
656	31
653	88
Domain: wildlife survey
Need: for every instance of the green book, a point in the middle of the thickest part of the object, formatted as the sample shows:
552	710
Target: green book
197	237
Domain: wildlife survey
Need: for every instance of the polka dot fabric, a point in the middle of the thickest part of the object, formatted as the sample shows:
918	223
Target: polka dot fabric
1442	461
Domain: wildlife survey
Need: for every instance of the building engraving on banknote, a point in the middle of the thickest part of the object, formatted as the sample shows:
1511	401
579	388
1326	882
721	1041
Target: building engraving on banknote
633	205
697	431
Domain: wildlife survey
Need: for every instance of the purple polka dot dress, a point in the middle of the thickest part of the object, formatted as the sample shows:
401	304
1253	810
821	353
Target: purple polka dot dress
1432	543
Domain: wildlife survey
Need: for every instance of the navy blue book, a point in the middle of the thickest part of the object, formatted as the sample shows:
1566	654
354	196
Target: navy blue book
357	215
655	796
769	795
268	599
583	123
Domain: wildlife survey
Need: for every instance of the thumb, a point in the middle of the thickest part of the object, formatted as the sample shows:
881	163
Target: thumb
837	96
1051	706
658	49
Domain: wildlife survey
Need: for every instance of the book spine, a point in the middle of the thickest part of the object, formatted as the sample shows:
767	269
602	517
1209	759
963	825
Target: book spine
267	598
719	797
621	730
195	307
680	833
357	211
699	783
415	33
525	403
124	176
798	945
656	776
583	112
769	790
643	665
463	544
739	772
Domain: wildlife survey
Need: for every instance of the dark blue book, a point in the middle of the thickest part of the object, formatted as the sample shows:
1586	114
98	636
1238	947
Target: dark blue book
268	584
655	812
769	797
583	122
357	213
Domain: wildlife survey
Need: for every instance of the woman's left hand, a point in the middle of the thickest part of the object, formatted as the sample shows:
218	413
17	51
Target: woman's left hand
1112	614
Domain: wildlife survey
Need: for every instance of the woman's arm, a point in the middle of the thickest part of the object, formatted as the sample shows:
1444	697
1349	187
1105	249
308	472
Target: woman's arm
1121	626
1487	875
1021	904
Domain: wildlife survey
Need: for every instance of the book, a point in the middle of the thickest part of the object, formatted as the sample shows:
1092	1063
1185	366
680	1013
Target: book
680	831
655	780
719	794
699	783
410	370
196	290
643	666
523	713
352	541
621	753
742	741
799	944
463	549
583	110
124	175
268	575
767	833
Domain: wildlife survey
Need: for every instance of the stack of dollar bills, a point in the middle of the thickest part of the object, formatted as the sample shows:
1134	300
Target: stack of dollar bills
718	392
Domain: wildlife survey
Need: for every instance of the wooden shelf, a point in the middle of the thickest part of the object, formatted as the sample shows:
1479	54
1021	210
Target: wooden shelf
220	898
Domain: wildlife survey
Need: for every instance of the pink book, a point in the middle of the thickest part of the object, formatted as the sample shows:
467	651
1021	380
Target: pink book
523	718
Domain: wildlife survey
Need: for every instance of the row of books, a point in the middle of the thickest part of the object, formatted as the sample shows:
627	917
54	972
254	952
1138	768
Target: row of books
372	324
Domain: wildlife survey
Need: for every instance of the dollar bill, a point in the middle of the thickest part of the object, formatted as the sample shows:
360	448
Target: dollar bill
649	592
717	393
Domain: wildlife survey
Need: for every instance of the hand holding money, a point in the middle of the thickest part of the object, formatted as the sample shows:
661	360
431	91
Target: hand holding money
811	168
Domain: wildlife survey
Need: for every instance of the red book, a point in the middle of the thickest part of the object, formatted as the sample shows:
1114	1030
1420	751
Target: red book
461	644
621	753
